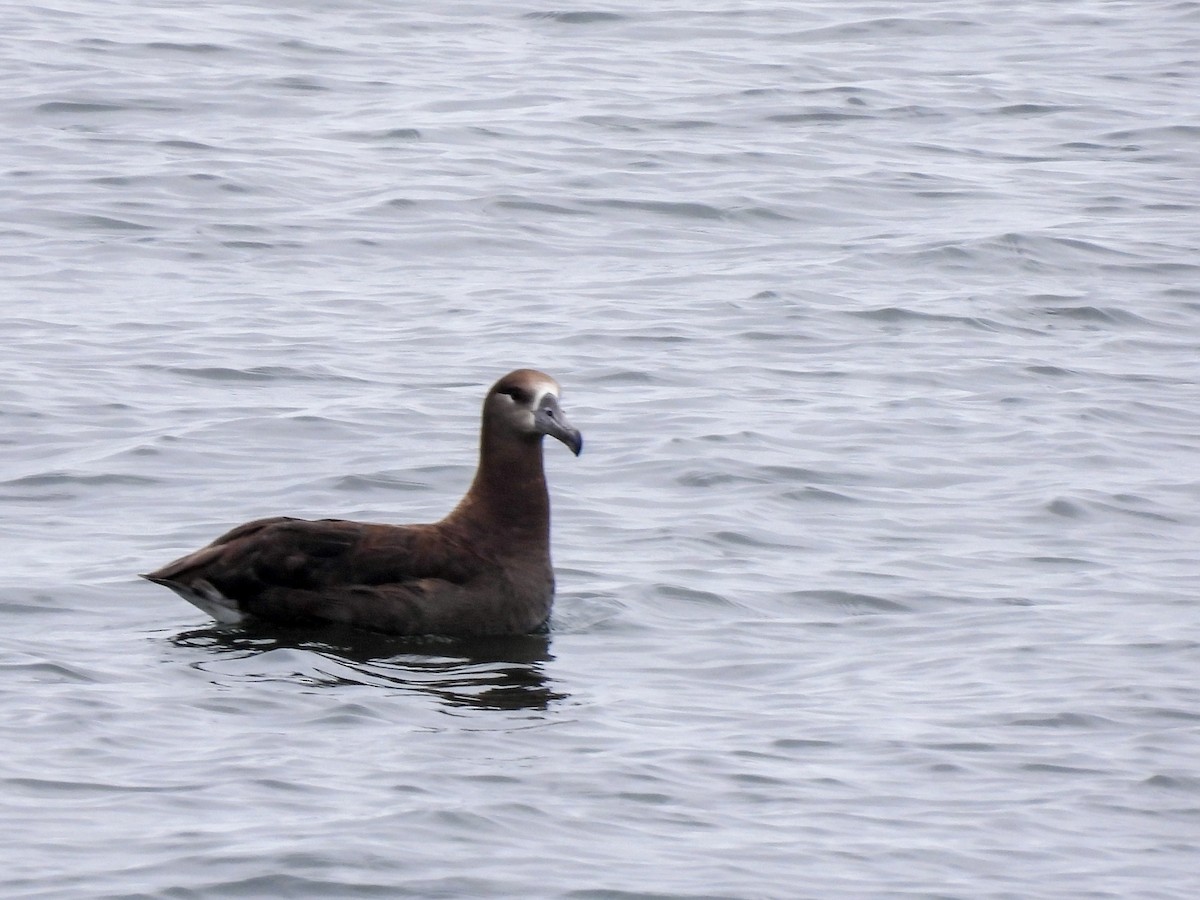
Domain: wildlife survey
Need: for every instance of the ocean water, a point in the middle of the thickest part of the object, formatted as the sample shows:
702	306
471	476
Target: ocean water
878	576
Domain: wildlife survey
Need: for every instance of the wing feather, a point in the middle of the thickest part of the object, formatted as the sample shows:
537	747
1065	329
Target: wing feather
321	555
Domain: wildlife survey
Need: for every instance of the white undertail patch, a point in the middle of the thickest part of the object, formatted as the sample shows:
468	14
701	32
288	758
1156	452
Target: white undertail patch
205	597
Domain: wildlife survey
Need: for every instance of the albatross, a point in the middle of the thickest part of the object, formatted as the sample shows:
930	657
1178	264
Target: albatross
482	570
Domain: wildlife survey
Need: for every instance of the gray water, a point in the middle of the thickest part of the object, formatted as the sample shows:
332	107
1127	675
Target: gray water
877	577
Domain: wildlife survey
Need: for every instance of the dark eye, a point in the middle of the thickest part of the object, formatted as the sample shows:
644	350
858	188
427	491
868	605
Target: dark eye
518	394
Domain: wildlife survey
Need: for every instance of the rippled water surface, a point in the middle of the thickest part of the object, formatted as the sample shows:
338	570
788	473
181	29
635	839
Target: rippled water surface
878	576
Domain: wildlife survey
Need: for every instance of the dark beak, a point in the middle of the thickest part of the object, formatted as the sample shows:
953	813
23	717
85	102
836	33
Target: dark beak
550	420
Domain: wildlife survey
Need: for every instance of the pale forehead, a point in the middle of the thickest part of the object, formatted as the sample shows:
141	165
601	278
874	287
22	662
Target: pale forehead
532	382
537	383
543	386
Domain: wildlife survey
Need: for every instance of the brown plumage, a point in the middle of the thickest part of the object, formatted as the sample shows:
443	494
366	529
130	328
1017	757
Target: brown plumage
482	570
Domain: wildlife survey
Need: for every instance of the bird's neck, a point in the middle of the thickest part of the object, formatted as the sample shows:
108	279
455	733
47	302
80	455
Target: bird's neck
508	499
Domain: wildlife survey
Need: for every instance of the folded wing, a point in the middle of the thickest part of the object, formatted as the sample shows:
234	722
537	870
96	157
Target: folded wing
402	579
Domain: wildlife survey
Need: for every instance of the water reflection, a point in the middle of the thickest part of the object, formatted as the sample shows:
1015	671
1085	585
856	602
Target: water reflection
505	673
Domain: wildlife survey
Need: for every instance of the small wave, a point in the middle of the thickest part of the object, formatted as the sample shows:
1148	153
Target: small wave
665	208
309	47
1028	109
108	223
694	595
898	314
802	744
383	135
1066	509
885	28
254	245
817	115
964	746
744	539
55	787
1028	251
1063	720
1072	562
300	83
45	672
78	106
369	483
185	145
642	123
52	479
1093	314
848	601
763	213
1051	371
541	207
578	17
710	479
1185	715
70	107
1190	132
1125	505
1177	782
1059	769
800	473
810	494
627	377
256	373
194	48
583	612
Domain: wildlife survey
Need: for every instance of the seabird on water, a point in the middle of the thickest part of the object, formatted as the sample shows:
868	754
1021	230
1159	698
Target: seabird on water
482	570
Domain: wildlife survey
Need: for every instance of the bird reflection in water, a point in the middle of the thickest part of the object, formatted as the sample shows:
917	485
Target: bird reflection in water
501	673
